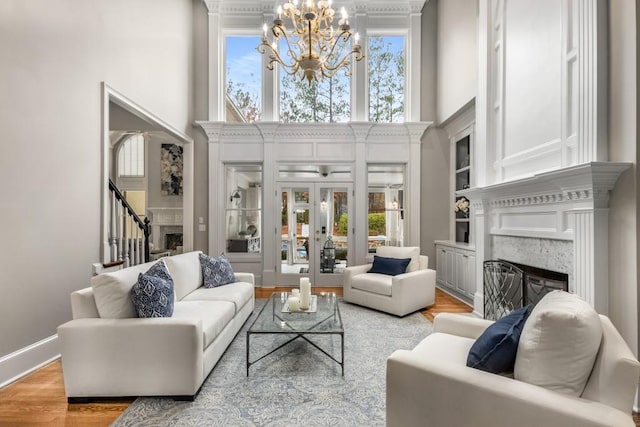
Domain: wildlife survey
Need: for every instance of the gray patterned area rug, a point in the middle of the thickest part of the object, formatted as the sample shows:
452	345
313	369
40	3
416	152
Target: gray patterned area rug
297	385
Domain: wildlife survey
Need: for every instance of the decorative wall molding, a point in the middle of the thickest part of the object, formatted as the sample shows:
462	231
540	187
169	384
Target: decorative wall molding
582	136
388	133
402	7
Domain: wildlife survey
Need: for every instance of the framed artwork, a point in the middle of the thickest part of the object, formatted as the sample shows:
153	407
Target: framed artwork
171	161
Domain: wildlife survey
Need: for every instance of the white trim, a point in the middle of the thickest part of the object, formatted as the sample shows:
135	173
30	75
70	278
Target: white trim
22	362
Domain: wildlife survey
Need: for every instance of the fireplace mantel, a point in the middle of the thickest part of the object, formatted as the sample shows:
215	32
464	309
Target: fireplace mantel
569	204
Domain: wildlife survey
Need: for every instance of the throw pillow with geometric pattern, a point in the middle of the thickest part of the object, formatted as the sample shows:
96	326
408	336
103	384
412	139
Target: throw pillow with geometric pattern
216	271
153	293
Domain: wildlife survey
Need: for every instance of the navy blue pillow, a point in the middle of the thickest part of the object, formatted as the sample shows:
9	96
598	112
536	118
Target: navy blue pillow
495	350
153	293
389	266
216	271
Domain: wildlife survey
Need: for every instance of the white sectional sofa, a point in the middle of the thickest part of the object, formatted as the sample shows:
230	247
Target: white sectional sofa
108	351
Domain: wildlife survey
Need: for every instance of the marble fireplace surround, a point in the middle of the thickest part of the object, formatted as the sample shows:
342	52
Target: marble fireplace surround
555	220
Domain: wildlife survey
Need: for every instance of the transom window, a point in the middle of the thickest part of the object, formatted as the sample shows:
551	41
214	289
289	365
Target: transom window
386	56
243	65
131	156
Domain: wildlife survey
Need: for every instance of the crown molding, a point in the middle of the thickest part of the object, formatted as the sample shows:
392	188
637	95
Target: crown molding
388	133
373	7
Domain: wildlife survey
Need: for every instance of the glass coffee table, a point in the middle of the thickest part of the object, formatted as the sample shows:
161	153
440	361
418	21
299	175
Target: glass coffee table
273	319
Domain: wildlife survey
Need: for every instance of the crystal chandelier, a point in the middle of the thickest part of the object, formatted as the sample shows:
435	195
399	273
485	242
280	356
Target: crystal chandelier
313	46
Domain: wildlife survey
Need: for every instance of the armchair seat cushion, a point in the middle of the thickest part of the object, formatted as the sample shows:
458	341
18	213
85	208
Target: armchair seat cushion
214	315
373	282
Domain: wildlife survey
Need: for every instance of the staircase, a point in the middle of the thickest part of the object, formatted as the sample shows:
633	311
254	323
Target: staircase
128	233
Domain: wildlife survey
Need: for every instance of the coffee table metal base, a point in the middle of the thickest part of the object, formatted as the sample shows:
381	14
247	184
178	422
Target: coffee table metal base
298	335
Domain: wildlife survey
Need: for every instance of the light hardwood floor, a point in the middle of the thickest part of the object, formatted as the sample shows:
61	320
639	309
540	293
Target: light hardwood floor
39	398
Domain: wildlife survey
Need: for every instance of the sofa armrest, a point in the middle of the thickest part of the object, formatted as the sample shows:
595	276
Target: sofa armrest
348	274
245	277
419	284
423	392
460	325
108	357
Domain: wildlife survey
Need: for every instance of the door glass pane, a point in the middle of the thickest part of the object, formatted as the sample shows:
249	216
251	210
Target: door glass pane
386	212
334	229
295	232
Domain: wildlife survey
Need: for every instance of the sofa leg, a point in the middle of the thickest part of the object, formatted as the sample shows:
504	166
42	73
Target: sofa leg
186	398
74	400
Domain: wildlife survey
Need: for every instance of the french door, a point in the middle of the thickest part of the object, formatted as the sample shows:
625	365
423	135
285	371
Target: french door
314	234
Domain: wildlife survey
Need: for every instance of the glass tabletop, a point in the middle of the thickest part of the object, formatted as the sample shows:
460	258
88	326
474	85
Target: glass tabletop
325	320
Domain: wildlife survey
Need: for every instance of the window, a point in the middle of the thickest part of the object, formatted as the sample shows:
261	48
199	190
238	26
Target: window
385	211
131	156
243	82
244	208
386	56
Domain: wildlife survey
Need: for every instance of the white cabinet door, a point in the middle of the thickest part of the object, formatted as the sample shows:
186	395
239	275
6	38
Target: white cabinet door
471	276
450	275
441	265
461	272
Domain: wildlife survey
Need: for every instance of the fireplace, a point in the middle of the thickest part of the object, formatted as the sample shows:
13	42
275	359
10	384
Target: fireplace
510	285
173	240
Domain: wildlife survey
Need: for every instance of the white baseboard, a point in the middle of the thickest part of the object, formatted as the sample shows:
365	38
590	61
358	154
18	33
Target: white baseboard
26	360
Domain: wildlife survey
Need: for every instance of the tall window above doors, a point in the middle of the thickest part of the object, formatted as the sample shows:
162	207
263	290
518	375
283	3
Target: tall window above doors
385	213
243	201
386	79
243	83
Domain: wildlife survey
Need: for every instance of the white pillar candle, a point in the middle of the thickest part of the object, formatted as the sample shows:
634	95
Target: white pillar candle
305	293
295	292
294	303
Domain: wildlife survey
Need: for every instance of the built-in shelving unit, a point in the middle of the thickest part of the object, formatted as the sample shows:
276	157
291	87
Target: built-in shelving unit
462	181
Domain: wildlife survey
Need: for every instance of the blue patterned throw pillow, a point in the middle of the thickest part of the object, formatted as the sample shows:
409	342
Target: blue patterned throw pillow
216	271
153	293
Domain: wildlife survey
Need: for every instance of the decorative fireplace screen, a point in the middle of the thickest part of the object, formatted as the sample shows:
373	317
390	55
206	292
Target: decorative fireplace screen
509	286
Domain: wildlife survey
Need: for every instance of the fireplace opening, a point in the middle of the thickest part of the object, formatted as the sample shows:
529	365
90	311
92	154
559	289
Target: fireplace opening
173	240
510	285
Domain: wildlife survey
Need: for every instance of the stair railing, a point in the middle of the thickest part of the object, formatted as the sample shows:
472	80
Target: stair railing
128	233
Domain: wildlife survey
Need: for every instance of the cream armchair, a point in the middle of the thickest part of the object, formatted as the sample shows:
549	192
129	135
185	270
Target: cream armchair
432	386
399	295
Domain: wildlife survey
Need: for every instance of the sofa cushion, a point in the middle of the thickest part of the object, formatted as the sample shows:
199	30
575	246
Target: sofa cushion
495	350
412	252
559	344
389	266
185	270
215	315
153	296
216	271
238	293
373	282
112	291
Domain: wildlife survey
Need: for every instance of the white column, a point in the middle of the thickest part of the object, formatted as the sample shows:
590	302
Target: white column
412	98
591	260
216	72
482	226
270	212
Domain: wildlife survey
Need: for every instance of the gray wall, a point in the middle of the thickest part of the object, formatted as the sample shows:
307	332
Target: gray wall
435	212
201	151
457	55
53	57
623	140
